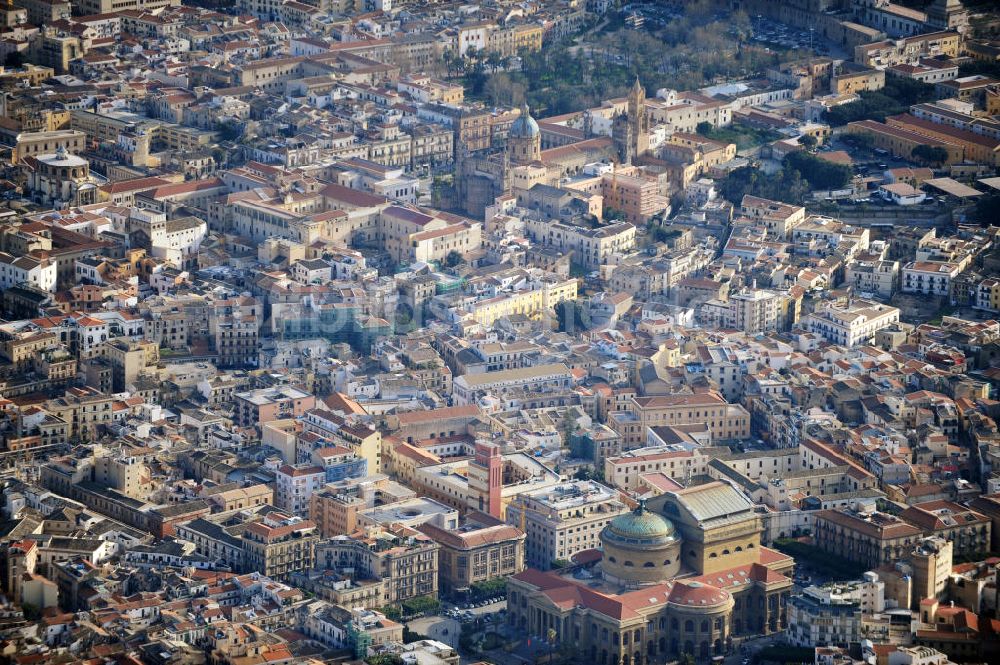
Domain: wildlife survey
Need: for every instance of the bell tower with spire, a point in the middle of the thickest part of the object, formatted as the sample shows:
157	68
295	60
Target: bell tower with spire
637	119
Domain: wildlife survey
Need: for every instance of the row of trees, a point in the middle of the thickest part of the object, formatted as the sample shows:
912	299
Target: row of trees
411	607
801	173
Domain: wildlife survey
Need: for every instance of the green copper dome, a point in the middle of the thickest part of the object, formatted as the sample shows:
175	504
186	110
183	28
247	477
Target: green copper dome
524	127
640	527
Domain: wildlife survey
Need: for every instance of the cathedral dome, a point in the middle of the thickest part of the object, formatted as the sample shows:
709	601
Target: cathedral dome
524	127
640	527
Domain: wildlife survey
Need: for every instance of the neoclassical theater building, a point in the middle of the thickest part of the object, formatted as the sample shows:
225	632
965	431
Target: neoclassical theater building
683	574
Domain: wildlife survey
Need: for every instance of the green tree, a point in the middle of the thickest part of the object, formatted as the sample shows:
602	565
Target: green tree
987	210
467	639
453	259
861	140
31	612
611	214
421	605
552	637
808	141
452	61
568	425
490	588
14	59
819	173
571	316
896	97
392	612
230	130
704	128
410	636
930	154
587	473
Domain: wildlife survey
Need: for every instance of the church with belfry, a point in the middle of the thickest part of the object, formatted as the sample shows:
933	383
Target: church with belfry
482	176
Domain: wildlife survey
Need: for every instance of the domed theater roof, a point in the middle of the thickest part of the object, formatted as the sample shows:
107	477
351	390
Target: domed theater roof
640	527
524	127
696	594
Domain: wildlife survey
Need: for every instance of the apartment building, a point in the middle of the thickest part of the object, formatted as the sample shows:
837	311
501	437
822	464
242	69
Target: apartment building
932	278
780	219
908	50
405	560
868	537
591	247
967	530
231	496
83	409
335	512
928	70
33	144
987	294
482	548
683	111
295	485
93	7
27	270
362	440
266	404
725	421
877	278
535	298
262	539
756	311
559	522
279	545
960	115
637	197
510	41
554	376
851	324
675	461
852	79
975	89
832	615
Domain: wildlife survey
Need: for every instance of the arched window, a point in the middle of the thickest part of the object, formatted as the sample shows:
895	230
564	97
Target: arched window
611	559
689	626
725	552
704	626
667	562
713	555
648	564
629	564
